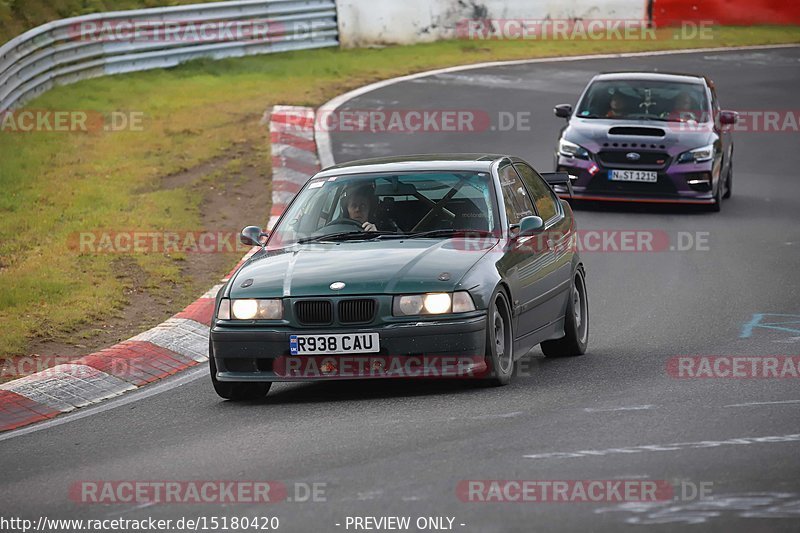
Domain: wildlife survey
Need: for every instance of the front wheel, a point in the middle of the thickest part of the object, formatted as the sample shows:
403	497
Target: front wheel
576	323
499	340
236	391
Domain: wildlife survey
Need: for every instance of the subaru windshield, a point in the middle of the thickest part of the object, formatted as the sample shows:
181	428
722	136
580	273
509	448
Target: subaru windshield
645	100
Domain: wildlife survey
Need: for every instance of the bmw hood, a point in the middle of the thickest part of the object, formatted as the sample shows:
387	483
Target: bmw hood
674	137
366	267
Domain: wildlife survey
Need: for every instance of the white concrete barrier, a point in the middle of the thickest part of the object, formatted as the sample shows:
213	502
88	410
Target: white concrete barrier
364	23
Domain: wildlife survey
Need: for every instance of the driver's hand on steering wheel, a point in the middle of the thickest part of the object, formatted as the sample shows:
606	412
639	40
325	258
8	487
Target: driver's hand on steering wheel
369	226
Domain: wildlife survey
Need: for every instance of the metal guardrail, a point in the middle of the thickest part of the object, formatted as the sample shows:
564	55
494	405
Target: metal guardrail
68	50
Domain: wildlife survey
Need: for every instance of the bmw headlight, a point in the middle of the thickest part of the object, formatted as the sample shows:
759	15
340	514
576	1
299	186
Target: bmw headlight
434	303
250	309
570	149
698	155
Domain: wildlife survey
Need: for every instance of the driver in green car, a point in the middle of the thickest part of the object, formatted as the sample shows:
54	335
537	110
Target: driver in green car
361	205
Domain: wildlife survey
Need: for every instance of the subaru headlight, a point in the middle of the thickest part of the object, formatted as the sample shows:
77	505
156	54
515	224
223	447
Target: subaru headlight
570	149
698	155
434	303
250	309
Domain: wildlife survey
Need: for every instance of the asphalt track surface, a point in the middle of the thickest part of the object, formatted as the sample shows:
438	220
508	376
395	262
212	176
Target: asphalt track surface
400	448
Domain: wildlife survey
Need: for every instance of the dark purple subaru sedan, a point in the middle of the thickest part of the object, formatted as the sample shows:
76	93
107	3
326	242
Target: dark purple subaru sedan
648	137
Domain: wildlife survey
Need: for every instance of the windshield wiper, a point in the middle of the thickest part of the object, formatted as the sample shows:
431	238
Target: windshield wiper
346	235
449	233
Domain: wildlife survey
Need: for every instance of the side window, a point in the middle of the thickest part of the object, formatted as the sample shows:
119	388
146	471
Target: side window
544	199
319	210
515	197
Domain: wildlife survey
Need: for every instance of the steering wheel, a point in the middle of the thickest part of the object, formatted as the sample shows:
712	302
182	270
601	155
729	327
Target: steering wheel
342	221
340	225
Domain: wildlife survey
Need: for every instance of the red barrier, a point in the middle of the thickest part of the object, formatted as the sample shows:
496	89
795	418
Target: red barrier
726	12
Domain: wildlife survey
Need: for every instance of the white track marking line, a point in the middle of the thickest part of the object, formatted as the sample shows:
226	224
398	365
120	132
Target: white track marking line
667	447
325	150
491	417
612	409
761	403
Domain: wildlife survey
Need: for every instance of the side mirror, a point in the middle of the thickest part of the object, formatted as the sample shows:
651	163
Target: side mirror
251	236
728	118
530	226
563	111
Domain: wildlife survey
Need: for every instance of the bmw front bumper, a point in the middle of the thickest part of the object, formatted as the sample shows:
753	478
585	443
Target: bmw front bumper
430	348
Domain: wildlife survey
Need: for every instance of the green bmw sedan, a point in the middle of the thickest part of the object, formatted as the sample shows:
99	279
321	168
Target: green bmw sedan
433	266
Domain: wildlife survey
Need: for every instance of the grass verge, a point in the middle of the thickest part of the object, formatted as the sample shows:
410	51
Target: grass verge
197	118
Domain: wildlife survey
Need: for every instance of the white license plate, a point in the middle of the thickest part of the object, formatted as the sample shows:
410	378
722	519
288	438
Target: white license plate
340	343
633	175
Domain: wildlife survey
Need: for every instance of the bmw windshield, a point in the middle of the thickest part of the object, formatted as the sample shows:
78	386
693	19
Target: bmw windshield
431	204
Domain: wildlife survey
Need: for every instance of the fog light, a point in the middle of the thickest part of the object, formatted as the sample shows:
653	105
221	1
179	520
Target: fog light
700	183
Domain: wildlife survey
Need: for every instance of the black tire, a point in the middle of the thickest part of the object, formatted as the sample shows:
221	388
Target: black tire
576	325
499	341
235	391
729	182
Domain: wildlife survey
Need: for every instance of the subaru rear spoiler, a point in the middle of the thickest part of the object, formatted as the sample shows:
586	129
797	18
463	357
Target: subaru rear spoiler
559	181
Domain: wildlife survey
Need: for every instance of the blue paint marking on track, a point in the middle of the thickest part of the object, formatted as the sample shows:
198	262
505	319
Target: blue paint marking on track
773	321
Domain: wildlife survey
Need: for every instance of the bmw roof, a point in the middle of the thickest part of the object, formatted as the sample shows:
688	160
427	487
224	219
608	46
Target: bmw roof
412	163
